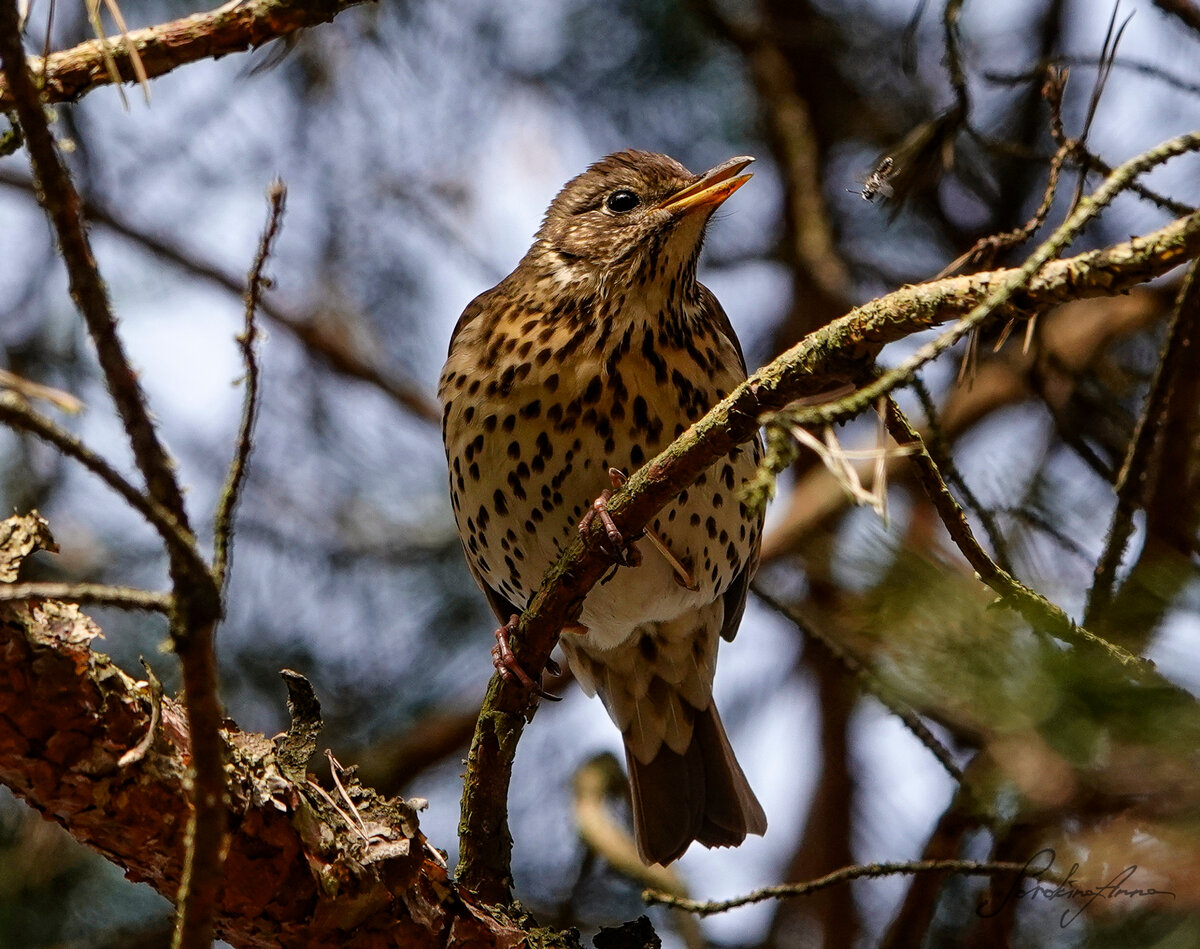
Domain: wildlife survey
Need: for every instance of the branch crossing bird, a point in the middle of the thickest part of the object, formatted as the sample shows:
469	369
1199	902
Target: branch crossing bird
598	350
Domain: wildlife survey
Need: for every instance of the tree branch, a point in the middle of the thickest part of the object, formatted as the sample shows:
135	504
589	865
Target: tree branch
844	875
296	873
1145	445
231	28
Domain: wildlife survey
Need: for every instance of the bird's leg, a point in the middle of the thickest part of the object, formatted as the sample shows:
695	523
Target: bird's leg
621	550
683	576
508	667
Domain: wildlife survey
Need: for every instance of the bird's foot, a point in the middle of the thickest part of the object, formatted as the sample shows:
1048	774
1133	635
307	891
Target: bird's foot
510	670
622	551
683	576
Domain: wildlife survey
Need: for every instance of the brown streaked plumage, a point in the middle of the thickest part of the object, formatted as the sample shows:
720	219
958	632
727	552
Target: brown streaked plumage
595	353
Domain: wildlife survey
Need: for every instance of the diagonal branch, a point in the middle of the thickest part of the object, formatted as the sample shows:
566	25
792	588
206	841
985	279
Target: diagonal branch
231	28
197	597
96	594
1178	358
61	201
98	752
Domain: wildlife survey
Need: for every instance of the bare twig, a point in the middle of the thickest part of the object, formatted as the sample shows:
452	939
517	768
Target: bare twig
1039	611
1153	70
18	414
986	248
845	875
61	201
230	28
95	594
939	449
954	63
197	598
230	493
1178	356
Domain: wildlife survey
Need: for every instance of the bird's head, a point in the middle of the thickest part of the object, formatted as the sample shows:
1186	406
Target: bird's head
633	219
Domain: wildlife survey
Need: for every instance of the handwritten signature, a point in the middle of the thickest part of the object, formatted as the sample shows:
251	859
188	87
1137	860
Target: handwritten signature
1068	888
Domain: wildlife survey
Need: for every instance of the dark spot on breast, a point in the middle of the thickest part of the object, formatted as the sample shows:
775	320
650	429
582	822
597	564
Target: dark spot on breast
532	409
518	489
499	503
514	449
509	423
489	423
648	648
592	392
710	525
550	383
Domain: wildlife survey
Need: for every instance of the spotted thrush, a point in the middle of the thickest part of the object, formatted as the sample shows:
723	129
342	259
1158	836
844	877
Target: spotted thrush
597	351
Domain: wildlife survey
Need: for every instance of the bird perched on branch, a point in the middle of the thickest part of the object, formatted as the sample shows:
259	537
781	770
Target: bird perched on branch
596	352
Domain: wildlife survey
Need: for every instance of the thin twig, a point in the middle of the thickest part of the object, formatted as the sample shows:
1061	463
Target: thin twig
61	201
1038	611
16	413
1154	70
1176	358
868	679
845	875
939	449
197	598
231	491
954	64
93	594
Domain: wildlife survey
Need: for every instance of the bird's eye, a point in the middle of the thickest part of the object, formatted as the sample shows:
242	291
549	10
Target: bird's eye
622	201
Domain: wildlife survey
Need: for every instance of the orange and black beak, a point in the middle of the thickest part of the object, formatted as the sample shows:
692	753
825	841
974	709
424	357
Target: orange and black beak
710	189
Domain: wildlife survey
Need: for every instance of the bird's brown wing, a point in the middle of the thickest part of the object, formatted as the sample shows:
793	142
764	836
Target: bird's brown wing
711	304
474	308
735	596
500	605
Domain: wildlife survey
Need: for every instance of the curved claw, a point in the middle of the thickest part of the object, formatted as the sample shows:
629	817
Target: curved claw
622	551
508	667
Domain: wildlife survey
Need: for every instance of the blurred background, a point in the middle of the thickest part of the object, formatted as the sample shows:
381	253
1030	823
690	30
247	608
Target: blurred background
421	142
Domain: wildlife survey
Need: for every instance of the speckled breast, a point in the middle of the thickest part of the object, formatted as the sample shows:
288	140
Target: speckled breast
535	415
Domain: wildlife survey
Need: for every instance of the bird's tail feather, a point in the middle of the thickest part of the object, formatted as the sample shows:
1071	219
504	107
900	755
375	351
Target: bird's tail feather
699	795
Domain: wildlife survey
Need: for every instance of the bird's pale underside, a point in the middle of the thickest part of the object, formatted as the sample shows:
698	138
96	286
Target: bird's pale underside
595	353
